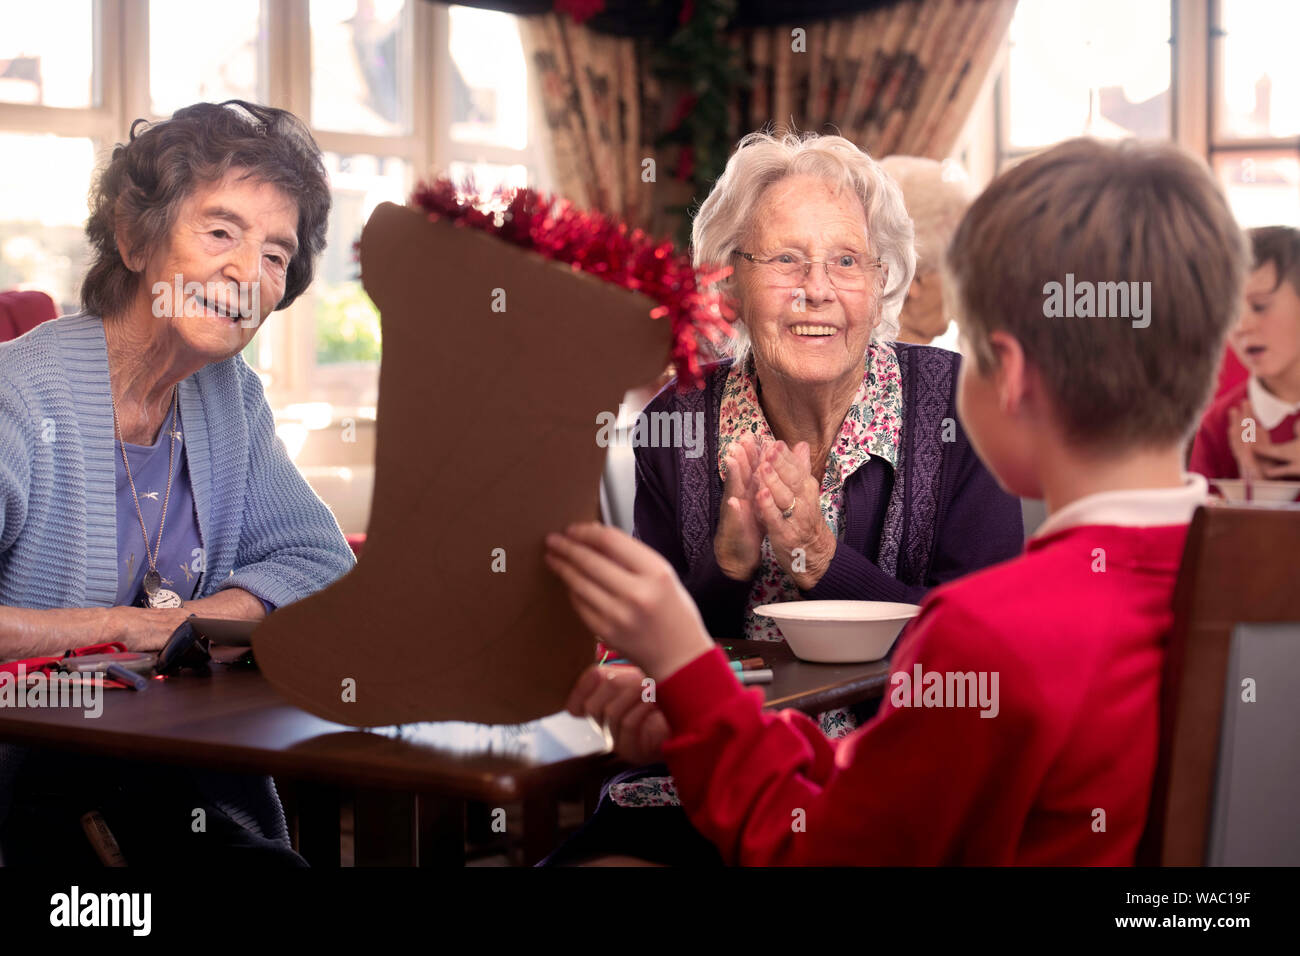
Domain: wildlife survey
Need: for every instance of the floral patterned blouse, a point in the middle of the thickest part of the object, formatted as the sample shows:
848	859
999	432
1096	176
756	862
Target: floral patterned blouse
872	426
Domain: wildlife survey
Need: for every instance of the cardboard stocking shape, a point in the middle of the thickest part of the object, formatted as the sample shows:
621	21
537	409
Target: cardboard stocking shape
496	363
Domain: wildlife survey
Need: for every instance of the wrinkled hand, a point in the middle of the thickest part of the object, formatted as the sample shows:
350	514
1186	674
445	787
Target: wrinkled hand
141	628
629	596
1248	466
802	543
615	695
738	542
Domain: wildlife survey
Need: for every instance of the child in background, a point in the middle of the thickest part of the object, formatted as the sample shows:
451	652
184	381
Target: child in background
1090	414
1267	340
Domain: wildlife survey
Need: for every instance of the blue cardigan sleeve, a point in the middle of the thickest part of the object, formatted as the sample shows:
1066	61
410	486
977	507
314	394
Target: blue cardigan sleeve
15	466
290	544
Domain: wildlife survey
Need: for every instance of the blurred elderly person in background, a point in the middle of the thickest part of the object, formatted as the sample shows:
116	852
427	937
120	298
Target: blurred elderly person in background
141	479
936	195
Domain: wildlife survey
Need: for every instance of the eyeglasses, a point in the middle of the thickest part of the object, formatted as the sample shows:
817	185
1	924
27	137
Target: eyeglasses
848	270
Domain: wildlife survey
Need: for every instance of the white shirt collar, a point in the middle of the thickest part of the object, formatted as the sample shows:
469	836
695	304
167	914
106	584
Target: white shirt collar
1269	409
1145	508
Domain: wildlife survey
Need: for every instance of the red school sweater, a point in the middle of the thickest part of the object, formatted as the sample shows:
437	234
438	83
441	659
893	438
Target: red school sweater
1062	774
1211	453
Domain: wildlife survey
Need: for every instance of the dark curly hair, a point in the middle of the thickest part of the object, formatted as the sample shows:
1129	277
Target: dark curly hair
139	191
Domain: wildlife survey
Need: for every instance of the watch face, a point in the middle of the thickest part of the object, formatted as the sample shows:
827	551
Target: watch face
164	597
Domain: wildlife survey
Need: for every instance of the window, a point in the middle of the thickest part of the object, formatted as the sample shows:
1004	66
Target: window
47	69
1070	72
1255	110
229	66
391	88
43	185
1235	97
47	54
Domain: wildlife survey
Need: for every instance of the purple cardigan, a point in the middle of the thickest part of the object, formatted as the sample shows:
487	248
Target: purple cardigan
947	516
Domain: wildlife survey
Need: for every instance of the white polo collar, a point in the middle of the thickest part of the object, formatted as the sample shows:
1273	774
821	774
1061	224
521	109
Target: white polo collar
1144	508
1269	409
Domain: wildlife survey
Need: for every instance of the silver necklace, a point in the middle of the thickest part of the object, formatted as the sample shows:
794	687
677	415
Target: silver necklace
155	595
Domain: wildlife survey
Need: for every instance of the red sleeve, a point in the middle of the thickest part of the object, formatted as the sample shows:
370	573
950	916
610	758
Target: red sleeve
908	788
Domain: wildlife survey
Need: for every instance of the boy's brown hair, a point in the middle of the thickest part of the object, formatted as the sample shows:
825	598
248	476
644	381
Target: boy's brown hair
1279	245
1106	213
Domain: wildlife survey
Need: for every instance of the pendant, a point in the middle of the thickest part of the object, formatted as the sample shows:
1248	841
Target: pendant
152	581
163	597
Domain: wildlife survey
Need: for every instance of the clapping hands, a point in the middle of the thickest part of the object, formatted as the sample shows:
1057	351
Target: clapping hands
1262	458
771	492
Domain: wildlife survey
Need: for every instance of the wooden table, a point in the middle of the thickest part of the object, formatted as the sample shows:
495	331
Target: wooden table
411	782
812	688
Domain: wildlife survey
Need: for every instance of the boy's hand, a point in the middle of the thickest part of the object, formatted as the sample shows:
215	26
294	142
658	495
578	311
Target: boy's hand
1281	460
621	698
629	596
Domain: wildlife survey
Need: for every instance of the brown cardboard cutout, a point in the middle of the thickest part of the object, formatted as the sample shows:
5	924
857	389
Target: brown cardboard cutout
486	440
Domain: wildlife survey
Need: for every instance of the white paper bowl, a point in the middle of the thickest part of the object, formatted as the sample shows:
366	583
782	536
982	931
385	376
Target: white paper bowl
839	632
1261	492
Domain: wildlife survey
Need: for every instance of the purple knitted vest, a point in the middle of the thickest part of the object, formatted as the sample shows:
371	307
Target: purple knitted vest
907	538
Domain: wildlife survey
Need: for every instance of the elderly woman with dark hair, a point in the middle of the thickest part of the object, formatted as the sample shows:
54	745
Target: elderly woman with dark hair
835	465
141	480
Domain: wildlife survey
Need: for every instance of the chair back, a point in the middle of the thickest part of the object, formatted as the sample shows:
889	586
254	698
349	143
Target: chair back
1239	567
1258	783
20	312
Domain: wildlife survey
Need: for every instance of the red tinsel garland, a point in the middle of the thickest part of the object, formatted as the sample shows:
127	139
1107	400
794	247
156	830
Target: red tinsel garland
600	245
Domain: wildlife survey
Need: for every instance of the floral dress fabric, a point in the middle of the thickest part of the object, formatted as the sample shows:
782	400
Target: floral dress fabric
872	426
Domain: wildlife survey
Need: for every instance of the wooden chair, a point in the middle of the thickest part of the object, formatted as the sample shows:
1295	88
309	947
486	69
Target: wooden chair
1258	783
1241	565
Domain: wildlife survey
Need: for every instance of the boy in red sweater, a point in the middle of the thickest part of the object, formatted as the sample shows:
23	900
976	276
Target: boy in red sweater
1267	339
1090	414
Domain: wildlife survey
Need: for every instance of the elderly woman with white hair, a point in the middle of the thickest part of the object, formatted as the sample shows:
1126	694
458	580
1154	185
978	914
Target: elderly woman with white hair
835	467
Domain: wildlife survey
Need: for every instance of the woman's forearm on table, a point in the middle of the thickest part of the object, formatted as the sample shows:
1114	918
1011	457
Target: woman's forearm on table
230	603
25	632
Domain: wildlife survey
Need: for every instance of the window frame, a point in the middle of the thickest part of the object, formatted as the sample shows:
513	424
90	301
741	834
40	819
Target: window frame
1007	155
121	94
1194	90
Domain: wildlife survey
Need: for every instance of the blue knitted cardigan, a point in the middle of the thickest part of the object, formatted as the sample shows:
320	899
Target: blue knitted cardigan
262	527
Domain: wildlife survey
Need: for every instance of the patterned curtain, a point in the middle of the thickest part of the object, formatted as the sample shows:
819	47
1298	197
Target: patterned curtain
898	79
591	94
901	78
